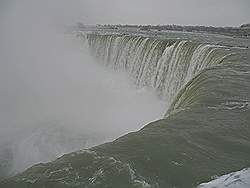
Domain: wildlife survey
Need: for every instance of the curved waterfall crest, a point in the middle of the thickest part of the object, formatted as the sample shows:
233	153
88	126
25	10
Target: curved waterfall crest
163	65
204	133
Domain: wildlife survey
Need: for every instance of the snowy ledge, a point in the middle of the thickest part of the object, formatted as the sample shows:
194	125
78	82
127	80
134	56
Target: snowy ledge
239	179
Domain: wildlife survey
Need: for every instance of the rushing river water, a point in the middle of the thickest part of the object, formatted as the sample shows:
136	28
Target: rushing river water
205	132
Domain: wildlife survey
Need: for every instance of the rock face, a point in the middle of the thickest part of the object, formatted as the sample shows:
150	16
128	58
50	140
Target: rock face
205	132
239	179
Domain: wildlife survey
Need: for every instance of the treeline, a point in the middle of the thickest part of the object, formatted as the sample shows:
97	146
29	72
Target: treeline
242	31
245	26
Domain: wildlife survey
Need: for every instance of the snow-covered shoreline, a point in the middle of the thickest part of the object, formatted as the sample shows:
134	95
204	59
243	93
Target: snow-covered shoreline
238	179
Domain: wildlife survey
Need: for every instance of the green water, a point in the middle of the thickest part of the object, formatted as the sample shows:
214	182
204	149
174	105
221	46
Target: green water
204	133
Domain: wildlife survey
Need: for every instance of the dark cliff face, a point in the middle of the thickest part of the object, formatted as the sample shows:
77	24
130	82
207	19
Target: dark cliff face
206	133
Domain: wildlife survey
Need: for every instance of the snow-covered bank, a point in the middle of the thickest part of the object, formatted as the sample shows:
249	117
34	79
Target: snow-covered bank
239	179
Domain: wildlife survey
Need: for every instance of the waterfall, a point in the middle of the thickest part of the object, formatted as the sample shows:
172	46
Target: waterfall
163	65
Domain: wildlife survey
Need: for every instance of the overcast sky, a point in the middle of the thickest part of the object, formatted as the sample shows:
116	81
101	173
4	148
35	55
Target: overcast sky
185	12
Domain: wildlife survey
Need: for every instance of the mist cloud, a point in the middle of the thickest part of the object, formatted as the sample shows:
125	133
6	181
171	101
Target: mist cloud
54	97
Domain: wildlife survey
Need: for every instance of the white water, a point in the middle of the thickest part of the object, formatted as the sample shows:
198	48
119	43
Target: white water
164	66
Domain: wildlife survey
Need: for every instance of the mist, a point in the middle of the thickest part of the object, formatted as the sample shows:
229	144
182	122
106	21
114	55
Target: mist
54	97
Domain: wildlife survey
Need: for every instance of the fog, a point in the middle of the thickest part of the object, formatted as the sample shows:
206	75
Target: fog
54	97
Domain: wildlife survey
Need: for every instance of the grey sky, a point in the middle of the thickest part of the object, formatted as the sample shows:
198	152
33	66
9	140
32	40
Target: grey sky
185	12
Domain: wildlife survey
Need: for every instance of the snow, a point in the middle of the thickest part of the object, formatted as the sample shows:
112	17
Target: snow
239	179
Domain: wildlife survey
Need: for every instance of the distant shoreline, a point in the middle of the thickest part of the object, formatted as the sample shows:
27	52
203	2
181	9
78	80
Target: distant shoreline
242	31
